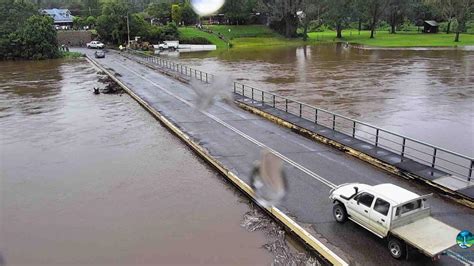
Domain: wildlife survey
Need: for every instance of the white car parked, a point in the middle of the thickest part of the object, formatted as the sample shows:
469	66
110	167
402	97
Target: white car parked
95	44
392	212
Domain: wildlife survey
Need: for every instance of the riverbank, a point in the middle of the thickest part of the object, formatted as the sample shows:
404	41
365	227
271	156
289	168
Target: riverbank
259	36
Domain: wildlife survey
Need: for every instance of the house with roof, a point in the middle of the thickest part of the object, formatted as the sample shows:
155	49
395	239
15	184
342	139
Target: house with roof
62	17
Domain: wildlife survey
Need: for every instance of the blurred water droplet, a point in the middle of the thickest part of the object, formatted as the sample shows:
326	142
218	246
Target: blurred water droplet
206	7
268	180
208	94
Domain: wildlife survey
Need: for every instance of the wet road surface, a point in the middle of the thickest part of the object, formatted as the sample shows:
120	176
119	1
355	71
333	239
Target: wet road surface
94	179
427	95
231	135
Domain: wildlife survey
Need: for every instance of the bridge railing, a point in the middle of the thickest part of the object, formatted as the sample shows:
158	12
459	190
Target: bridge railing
427	154
173	66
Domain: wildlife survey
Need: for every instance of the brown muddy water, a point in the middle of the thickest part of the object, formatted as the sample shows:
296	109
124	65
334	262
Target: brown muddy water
427	95
94	179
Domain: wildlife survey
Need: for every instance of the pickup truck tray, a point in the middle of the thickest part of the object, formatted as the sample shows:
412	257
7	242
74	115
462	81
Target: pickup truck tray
428	235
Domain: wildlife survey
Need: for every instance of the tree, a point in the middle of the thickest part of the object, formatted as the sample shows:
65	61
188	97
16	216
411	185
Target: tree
463	10
396	12
283	15
446	8
176	14
238	11
375	9
314	10
91	7
38	38
338	14
160	11
91	21
170	32
189	16
13	14
112	24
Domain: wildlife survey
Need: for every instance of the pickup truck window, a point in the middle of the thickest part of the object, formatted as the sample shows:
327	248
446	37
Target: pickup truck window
365	199
408	207
381	206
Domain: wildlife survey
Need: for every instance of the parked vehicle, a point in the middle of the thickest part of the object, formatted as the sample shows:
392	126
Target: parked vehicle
95	44
173	45
392	212
99	54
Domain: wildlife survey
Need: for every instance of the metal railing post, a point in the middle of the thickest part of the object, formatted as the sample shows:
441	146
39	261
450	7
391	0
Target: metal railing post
377	137
316	116
353	129
434	158
206	78
301	109
252	94
263	99
333	122
286	105
470	171
200	75
273	100
403	147
235	91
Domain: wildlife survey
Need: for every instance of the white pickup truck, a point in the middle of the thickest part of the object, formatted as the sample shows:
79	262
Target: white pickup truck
172	45
392	212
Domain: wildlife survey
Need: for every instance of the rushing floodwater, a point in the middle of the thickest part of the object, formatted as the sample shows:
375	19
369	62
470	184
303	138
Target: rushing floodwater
428	95
94	179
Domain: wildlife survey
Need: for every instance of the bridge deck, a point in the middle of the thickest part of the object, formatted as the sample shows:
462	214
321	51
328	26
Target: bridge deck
461	186
236	138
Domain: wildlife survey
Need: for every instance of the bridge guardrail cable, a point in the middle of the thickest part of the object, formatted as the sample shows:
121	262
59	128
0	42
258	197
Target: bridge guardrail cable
406	147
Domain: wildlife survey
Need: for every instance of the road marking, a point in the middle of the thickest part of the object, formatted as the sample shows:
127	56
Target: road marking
456	256
459	258
242	134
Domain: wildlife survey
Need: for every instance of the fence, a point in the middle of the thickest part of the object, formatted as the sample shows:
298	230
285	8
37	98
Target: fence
436	157
180	68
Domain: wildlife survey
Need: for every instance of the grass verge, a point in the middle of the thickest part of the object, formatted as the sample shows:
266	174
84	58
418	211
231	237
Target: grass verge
400	39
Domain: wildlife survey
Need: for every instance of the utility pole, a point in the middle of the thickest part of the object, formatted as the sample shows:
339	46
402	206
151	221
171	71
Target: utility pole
128	31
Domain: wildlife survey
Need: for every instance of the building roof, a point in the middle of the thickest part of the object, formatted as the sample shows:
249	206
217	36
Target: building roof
59	15
431	23
394	193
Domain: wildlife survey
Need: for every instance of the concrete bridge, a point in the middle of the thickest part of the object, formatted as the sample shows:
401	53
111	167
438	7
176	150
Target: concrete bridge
317	156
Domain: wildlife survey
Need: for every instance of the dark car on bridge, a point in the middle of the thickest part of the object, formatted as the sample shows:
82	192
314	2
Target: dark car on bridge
99	54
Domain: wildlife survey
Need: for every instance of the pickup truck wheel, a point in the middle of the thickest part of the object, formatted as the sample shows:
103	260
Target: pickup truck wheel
397	248
339	212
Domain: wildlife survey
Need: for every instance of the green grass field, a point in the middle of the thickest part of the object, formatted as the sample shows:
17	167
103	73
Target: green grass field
259	36
400	39
190	32
240	36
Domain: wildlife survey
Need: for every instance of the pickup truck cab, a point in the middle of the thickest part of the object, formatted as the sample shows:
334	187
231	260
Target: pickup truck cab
392	212
95	44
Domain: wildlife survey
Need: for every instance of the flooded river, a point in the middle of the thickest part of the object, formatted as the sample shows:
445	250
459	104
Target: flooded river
94	179
427	95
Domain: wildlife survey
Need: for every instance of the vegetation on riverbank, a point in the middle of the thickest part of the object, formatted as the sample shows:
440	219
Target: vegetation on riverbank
25	33
66	54
249	36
